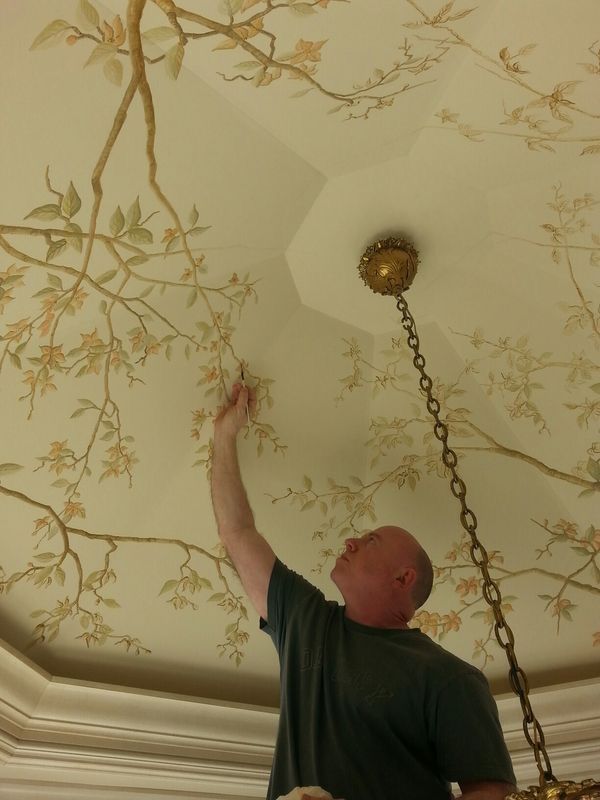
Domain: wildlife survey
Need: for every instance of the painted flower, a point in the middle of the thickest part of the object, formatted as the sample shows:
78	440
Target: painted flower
467	586
114	33
73	509
170	234
451	622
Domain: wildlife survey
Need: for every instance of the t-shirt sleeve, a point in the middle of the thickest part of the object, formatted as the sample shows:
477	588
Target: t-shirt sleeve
286	594
469	741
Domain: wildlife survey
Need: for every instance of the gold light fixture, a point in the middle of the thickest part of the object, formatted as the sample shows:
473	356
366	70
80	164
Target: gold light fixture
388	267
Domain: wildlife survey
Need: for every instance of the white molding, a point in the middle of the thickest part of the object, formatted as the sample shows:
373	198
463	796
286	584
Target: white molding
69	739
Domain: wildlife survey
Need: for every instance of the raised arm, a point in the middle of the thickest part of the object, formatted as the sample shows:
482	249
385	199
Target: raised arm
250	552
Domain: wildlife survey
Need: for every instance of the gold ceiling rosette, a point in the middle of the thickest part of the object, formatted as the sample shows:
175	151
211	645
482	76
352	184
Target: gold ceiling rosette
388	267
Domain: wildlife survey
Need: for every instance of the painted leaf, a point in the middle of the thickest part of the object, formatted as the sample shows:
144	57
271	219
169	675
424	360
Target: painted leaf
198	231
110	602
168	586
71	202
48	211
140	235
106	276
100	52
55	282
76	242
5	469
89	13
593	149
172	244
230	7
595	387
248	65
133	214
160	34
302	9
192	297
134	261
113	70
593	468
193	215
46	556
116	222
174	60
50	33
56	248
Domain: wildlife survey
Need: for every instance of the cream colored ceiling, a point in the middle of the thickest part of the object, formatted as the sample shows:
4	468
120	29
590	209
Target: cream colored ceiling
485	150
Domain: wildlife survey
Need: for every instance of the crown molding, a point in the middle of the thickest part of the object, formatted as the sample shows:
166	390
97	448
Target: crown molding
64	739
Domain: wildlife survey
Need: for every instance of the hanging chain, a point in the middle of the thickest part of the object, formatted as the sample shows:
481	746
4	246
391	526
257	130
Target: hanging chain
490	589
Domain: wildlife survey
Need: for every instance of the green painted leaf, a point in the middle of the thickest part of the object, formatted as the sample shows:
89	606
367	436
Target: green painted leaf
146	291
110	602
76	242
56	248
116	222
89	13
48	211
192	297
194	217
113	70
172	244
593	468
160	34
134	261
140	235
198	231
174	60
37	613
106	276
100	52
595	387
71	202
230	7
215	598
249	65
45	556
302	9
134	214
168	586
5	469
50	33
55	281
59	576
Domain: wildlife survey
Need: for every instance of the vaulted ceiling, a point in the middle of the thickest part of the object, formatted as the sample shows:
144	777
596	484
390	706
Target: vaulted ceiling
183	201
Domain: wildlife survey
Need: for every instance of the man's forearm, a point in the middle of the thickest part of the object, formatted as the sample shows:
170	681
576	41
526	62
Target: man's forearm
230	502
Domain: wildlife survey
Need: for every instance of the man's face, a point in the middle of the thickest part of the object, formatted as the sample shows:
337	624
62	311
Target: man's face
370	563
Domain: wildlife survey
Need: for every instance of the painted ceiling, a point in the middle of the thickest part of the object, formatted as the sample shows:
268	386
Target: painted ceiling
189	189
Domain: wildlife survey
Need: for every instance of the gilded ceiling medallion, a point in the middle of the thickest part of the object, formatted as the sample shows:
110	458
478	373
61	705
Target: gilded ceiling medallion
389	266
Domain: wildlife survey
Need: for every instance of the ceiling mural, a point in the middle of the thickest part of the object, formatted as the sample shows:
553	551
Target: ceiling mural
179	211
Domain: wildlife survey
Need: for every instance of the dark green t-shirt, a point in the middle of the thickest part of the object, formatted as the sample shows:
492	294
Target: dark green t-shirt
372	713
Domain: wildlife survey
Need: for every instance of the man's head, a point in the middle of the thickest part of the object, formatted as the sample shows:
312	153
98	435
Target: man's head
384	576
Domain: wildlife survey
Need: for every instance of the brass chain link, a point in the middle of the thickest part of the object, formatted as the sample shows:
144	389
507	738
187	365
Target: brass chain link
490	589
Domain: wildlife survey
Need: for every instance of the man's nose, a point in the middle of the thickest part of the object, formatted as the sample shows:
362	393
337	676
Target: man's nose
351	544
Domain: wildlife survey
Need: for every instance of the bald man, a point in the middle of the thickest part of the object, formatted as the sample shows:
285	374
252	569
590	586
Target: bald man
371	709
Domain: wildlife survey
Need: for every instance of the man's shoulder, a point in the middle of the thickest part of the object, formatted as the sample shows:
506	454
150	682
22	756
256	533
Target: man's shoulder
442	662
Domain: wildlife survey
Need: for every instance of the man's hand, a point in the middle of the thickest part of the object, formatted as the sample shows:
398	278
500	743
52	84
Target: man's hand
232	417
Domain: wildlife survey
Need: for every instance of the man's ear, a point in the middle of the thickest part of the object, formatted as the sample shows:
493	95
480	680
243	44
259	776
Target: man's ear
406	577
